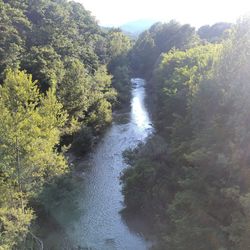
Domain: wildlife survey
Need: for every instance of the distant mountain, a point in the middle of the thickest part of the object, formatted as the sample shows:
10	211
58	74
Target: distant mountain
134	28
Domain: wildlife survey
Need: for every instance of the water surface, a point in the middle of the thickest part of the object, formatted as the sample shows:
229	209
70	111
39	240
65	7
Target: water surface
94	220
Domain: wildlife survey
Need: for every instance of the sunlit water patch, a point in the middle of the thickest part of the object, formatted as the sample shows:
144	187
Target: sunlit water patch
97	223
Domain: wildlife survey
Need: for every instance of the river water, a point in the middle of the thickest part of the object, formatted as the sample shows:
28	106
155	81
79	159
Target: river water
96	222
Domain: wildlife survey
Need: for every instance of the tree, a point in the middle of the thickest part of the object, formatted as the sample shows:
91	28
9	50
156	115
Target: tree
160	38
100	111
74	90
13	28
45	65
30	129
119	46
197	187
215	32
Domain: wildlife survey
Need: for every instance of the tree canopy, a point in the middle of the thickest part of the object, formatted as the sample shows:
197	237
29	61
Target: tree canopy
56	89
29	131
192	176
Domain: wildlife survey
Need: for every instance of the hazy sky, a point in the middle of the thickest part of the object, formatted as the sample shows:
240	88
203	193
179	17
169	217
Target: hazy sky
195	12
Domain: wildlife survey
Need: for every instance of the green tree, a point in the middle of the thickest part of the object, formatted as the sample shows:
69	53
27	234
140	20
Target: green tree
45	65
100	111
197	186
30	129
119	46
74	90
13	28
160	38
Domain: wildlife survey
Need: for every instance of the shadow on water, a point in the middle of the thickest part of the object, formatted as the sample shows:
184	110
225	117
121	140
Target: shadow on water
83	211
121	118
58	207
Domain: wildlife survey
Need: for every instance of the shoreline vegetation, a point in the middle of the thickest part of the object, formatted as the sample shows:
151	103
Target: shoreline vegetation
192	177
61	78
61	75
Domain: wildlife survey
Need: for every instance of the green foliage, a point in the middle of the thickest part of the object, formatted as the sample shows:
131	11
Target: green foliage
119	44
75	89
30	129
121	82
62	46
160	38
83	141
197	188
119	48
214	33
13	28
176	81
100	111
71	60
45	65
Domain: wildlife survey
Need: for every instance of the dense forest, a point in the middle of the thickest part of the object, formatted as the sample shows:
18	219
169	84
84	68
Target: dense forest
191	179
61	77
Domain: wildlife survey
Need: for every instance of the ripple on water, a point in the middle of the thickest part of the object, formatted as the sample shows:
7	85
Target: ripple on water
100	226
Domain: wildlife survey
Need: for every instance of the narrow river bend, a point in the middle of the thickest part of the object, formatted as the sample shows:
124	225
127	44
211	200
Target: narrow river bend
98	224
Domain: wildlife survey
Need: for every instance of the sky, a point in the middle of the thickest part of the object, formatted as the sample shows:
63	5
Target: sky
194	12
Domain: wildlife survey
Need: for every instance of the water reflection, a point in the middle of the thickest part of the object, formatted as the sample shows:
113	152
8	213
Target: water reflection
139	113
99	225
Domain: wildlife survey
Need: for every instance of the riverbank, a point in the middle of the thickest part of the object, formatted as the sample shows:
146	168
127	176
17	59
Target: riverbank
85	211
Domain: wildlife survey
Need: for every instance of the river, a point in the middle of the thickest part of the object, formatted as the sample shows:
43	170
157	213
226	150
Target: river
94	221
